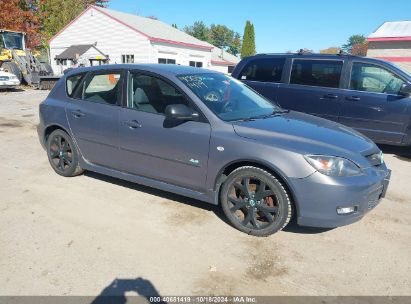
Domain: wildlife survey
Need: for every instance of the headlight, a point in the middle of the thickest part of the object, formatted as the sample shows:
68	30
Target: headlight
333	166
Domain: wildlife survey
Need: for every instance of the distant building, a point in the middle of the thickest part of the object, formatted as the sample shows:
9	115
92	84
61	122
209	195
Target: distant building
392	42
100	35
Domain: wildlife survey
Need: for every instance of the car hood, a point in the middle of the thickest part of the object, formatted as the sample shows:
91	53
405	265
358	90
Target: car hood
307	134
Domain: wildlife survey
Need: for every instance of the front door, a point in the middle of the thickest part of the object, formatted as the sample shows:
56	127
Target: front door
154	147
93	114
372	103
313	88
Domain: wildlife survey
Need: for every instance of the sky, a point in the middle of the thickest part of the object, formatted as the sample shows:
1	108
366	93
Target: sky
280	26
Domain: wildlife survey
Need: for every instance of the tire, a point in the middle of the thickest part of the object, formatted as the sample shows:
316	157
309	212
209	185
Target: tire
63	155
255	202
11	67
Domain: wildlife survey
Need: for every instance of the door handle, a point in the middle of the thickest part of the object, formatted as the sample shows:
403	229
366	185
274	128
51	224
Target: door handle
353	98
330	96
77	113
132	124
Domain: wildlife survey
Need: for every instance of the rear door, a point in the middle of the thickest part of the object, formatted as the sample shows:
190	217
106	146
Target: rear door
372	103
313	87
93	114
263	75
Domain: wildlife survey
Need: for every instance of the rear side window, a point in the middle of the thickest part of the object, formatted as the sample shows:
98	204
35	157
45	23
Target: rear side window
264	70
319	73
72	83
102	88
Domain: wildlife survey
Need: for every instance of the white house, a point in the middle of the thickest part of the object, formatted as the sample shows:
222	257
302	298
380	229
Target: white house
99	35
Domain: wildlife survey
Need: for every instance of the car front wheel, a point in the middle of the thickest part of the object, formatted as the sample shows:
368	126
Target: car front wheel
255	202
62	154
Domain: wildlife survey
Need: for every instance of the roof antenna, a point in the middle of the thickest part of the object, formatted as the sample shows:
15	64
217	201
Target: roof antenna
342	53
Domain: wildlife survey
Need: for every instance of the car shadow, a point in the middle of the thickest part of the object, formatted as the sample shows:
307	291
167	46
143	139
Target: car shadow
292	227
12	90
115	293
402	153
160	193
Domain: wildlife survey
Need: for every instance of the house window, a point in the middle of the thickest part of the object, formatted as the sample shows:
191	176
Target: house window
127	58
166	61
61	61
197	64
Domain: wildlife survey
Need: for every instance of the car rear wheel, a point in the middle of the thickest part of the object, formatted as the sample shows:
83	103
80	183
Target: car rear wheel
62	154
255	202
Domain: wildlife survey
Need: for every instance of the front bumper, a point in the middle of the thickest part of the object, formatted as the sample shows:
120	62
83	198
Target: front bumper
9	84
319	196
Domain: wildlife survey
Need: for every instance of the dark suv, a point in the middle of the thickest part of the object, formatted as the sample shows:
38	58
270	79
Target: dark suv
369	95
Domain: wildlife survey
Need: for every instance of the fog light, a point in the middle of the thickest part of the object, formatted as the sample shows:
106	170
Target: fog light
346	210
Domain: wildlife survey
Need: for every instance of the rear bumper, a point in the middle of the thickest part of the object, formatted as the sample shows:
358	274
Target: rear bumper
318	197
40	133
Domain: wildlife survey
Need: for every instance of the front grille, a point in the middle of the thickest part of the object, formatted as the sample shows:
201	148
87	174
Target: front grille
373	203
4	78
375	197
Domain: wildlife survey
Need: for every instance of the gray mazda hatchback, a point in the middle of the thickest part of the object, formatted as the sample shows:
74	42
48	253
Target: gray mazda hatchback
205	135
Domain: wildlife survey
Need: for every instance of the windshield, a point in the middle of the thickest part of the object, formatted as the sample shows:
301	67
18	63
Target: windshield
228	98
13	40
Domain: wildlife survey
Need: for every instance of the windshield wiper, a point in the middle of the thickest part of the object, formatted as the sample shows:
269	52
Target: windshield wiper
244	119
274	113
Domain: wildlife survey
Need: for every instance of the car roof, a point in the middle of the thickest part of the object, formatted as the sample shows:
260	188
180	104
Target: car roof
162	69
313	56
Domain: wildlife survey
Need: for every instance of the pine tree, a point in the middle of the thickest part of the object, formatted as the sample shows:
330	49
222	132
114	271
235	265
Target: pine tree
248	48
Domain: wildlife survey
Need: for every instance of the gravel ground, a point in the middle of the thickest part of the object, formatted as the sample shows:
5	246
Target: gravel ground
94	234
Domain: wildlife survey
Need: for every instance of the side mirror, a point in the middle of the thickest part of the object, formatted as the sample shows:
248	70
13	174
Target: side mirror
181	112
405	89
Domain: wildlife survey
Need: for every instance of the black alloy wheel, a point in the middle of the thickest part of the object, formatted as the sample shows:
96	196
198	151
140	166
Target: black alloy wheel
255	201
62	154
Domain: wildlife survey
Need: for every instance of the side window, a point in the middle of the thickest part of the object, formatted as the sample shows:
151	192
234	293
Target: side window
371	78
196	64
264	70
319	73
102	88
151	94
166	61
127	58
72	83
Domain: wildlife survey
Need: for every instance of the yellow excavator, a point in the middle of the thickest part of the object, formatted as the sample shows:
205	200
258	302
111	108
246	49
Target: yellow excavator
15	58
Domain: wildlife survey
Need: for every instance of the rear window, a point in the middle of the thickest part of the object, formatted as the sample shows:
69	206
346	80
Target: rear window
264	70
72	82
320	73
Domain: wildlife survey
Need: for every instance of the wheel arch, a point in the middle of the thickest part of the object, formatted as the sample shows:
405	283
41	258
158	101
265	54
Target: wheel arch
276	172
51	128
